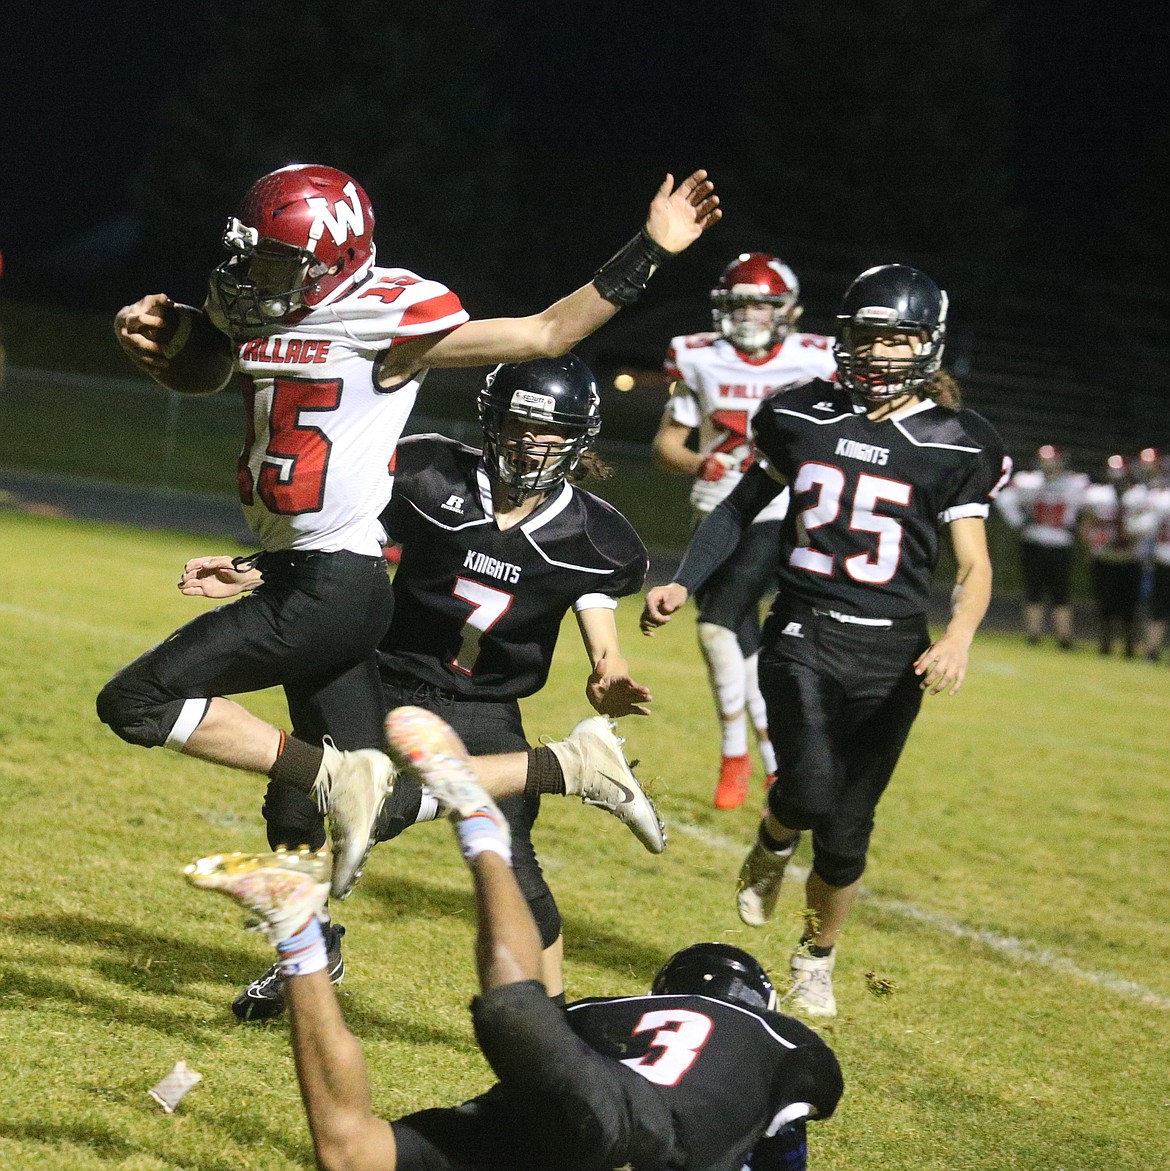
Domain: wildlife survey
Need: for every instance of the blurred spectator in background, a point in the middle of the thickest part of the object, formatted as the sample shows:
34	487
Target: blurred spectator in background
1114	521
1042	504
720	378
1155	468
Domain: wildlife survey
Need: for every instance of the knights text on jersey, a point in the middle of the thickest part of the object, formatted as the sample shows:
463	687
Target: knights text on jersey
729	1074
719	391
314	471
477	610
868	499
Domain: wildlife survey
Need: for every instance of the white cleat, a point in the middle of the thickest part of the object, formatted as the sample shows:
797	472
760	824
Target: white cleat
282	890
760	877
812	984
423	743
592	755
350	790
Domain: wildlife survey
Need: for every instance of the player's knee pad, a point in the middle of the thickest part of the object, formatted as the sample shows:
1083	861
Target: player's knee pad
836	869
139	713
292	818
724	666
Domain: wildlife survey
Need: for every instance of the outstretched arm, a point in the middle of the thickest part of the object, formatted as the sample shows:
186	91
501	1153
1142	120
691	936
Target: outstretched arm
678	216
943	665
610	688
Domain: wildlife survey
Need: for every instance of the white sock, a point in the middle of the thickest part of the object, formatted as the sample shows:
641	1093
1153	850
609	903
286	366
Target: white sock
481	833
767	755
735	740
304	952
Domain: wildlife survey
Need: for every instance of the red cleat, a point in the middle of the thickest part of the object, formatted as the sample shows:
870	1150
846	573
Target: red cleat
734	775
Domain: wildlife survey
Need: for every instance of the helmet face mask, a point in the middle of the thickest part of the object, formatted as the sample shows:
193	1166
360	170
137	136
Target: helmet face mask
262	283
538	420
302	235
719	971
752	280
891	333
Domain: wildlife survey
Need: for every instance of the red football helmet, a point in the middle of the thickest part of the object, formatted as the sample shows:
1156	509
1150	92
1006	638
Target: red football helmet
303	236
1117	467
755	278
1050	458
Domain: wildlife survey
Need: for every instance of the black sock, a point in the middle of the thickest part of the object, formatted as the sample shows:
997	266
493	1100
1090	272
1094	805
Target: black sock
297	763
818	953
545	774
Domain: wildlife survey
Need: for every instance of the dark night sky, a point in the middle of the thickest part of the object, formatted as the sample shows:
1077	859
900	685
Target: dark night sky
649	84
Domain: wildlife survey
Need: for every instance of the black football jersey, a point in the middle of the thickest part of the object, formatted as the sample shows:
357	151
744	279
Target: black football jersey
476	610
868	499
729	1075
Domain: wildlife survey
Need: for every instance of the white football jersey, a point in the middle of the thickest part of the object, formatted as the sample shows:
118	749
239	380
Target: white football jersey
719	390
1044	510
1116	527
315	469
1159	504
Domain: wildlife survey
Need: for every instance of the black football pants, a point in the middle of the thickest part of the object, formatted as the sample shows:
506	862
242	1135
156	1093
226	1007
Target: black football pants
731	597
841	701
312	627
485	727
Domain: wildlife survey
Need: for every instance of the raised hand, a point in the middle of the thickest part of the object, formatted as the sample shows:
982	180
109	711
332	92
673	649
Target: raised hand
680	215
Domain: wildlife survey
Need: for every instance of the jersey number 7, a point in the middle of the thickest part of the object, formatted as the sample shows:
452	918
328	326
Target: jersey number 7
488	606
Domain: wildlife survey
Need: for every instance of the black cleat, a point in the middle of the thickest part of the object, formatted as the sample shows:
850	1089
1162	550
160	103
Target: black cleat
263	999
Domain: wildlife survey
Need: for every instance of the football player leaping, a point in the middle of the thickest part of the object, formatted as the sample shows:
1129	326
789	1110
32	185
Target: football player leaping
498	544
332	350
877	464
720	380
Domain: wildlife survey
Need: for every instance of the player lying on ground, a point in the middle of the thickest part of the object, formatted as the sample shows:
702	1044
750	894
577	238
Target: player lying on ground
700	1075
498	545
332	351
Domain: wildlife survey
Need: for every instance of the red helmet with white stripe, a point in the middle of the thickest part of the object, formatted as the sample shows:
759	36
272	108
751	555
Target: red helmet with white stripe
302	236
755	279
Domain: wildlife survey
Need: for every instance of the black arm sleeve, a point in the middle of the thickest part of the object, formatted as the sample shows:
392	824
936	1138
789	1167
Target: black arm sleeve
716	538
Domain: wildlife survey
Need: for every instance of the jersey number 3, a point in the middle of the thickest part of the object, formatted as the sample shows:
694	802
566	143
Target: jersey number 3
680	1036
292	473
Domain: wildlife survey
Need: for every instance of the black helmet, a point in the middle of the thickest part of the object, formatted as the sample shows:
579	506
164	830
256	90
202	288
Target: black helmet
553	394
718	970
900	299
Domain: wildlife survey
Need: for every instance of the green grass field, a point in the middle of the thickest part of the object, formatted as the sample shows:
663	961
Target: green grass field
1016	899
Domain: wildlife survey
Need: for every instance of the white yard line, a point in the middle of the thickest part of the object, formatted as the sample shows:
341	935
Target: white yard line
119	632
1006	945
